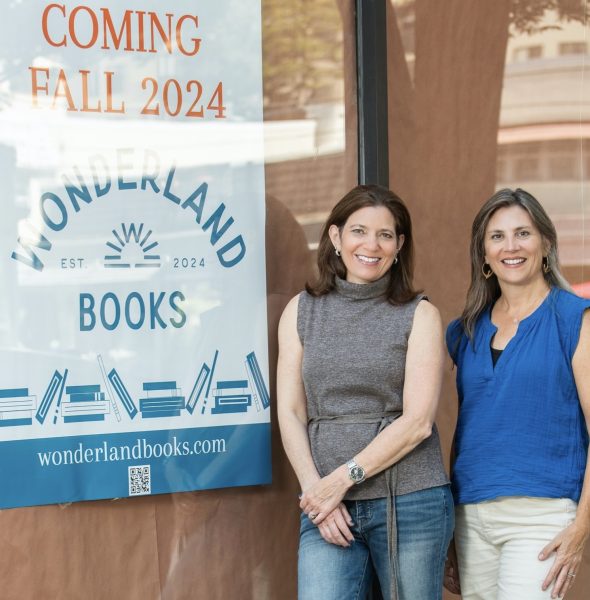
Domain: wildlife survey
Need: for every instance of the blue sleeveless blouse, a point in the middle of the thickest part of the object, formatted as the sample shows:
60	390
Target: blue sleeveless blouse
520	430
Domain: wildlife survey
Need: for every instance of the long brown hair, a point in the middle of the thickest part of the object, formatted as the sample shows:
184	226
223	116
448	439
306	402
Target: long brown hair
330	266
484	292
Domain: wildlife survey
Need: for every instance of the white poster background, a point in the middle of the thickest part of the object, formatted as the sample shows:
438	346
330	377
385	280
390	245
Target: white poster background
45	148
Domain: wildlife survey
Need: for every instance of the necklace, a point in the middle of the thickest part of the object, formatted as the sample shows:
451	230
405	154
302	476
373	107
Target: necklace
528	309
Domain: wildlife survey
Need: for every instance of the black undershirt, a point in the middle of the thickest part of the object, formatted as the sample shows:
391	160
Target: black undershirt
495	354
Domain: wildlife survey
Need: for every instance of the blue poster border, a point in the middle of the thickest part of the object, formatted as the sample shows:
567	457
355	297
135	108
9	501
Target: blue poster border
101	466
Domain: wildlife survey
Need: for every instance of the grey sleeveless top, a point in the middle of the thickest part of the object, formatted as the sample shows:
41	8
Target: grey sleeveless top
354	354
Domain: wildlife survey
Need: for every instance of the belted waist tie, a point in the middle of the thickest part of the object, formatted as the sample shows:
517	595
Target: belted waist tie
384	419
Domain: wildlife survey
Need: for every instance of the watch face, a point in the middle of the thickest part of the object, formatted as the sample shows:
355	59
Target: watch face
357	473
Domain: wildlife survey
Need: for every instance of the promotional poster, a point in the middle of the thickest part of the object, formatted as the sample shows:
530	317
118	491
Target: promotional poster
133	334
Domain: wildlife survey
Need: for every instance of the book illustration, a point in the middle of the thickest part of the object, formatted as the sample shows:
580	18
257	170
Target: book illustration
213	364
90	402
122	392
160	393
54	388
161	402
16	407
84	403
231	396
255	400
235	399
107	384
202	387
14	393
82	389
79	408
231	404
80	418
197	391
60	396
87	397
254	371
176	402
159	386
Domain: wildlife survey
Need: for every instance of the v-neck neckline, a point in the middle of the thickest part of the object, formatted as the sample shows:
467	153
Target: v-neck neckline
523	326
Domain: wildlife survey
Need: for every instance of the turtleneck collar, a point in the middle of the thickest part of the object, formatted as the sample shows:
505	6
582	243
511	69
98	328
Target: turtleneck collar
362	291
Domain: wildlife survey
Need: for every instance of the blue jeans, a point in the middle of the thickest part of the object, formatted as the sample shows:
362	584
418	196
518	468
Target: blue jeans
425	521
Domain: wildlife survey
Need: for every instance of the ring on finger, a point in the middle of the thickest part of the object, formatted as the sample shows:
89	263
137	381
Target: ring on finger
571	574
312	516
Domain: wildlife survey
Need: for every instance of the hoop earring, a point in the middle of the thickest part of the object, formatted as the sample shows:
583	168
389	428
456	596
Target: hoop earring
395	260
486	274
338	253
545	262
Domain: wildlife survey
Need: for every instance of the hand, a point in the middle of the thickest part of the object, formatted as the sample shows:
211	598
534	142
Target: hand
568	546
321	498
451	576
335	528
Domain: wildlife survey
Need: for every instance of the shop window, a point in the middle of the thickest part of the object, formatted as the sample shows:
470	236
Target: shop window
566	48
525	53
562	168
526	169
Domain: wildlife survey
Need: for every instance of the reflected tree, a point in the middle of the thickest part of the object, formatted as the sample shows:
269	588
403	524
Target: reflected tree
302	55
444	115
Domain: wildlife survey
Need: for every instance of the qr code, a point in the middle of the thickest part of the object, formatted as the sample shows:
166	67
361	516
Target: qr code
140	480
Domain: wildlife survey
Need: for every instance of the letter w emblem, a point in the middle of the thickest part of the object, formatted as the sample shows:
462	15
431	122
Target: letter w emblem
131	232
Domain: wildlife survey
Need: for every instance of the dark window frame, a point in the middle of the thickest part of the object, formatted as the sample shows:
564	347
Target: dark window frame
371	53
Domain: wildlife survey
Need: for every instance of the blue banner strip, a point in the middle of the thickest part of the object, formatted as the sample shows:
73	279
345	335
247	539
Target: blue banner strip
92	467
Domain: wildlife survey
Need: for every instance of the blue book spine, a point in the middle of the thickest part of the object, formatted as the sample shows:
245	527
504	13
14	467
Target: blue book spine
154	414
87	397
123	394
161	406
82	389
80	418
232	384
48	397
14	393
197	388
159	385
12	422
258	380
229	408
210	380
161	403
241	399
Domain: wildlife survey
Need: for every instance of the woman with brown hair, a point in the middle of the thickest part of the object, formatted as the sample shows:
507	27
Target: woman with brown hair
522	347
359	378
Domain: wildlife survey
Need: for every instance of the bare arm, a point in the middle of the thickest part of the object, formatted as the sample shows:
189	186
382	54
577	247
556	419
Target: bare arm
292	413
423	380
569	544
291	400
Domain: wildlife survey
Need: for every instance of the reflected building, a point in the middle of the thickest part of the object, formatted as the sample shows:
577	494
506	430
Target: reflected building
544	135
543	138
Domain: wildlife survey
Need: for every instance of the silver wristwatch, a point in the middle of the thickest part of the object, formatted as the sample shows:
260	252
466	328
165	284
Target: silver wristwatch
355	472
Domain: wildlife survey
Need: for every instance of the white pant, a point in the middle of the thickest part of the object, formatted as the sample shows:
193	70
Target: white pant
498	543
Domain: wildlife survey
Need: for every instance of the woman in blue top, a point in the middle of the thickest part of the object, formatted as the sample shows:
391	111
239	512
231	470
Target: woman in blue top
522	348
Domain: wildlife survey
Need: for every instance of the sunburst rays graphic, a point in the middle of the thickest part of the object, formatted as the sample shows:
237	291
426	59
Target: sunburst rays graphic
127	241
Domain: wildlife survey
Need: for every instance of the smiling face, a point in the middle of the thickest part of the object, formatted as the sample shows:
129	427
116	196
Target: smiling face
514	247
368	243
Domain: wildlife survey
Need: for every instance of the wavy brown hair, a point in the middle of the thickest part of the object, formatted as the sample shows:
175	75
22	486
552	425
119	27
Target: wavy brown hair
484	292
330	266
